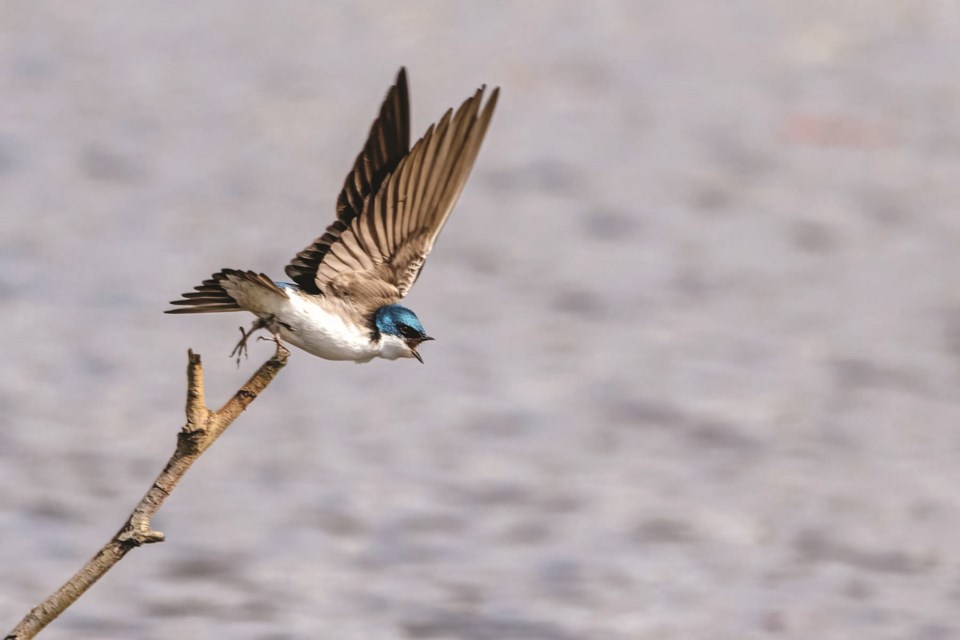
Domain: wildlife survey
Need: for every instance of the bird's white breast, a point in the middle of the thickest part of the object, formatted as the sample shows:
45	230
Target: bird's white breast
313	324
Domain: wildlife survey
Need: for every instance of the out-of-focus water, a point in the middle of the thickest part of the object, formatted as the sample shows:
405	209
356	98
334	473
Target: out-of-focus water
698	321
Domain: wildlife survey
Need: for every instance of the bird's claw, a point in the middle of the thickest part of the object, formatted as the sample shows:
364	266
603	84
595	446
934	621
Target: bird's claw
241	350
274	338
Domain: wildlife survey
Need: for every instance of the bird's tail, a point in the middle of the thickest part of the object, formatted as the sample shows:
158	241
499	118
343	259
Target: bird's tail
221	292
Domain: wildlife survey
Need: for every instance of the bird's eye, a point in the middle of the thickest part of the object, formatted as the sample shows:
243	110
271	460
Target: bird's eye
408	332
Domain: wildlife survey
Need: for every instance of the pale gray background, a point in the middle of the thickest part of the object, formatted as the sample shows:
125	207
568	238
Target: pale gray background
698	321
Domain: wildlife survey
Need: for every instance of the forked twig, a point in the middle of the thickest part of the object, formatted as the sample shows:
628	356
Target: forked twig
203	427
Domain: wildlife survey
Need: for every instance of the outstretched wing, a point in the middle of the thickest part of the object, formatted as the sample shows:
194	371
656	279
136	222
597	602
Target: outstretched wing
376	256
387	143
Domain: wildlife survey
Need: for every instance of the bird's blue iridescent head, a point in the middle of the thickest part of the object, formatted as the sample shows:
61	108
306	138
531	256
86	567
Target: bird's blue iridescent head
395	320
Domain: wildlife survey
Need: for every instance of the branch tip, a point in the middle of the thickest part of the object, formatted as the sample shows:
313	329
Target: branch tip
196	404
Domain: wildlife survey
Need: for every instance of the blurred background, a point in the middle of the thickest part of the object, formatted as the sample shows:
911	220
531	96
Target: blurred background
697	317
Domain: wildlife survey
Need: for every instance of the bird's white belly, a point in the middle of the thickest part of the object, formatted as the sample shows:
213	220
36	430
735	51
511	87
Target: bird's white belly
309	326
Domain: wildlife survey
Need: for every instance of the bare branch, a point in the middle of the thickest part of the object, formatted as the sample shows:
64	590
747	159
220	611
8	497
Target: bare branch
196	406
201	430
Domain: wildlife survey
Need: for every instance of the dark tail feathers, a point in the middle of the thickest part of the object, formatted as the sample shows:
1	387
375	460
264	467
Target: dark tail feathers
211	297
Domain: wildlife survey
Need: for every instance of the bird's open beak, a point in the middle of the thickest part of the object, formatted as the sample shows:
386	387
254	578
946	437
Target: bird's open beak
413	348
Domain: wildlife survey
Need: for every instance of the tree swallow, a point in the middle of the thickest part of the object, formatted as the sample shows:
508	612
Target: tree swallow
343	301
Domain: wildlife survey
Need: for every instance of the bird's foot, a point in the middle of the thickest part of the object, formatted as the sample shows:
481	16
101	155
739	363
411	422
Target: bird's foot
241	351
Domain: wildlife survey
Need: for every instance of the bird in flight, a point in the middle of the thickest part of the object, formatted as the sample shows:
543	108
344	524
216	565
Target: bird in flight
343	303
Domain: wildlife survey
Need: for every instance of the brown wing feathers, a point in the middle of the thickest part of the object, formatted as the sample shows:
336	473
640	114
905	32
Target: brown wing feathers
387	239
417	199
387	143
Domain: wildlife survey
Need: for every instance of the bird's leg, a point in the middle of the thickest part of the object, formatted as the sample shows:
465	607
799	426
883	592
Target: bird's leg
274	328
240	351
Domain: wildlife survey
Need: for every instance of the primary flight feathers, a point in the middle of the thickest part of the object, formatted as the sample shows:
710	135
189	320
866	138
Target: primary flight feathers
395	201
